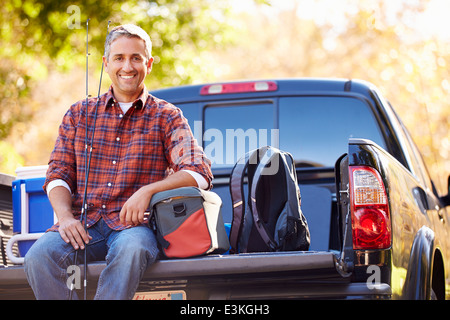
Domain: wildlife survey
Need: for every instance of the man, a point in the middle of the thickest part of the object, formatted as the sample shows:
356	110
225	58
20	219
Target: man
142	145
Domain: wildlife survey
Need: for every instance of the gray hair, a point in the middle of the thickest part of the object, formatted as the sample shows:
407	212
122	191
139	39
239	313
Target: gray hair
130	31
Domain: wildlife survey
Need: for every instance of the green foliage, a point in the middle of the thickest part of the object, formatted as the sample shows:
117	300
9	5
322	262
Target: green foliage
41	35
201	40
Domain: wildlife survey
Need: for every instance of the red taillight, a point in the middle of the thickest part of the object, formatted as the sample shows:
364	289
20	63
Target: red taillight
238	87
371	223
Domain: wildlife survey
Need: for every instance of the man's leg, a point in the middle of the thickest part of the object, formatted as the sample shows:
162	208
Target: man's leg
130	252
46	266
49	257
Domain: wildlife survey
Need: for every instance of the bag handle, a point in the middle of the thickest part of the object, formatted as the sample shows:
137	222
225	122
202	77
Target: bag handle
179	210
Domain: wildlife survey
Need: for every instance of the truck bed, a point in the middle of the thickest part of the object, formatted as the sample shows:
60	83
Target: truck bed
239	275
226	277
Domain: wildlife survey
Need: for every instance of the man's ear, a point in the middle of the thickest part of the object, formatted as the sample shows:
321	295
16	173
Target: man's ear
149	65
105	62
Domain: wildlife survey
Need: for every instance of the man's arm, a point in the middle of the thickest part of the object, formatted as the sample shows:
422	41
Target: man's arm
70	229
133	210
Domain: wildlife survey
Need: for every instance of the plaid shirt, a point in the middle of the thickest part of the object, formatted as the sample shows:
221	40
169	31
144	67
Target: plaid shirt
130	150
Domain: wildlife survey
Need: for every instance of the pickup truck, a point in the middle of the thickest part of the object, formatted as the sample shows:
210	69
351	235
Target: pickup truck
379	229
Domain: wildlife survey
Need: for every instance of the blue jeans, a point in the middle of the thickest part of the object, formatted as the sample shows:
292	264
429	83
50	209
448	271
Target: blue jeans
128	253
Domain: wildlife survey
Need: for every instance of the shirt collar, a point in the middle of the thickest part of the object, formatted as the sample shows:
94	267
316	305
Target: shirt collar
139	103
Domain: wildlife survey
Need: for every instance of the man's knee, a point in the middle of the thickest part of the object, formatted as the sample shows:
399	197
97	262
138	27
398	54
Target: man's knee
140	246
137	250
37	253
48	248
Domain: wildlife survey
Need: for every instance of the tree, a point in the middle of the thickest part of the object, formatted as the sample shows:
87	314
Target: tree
38	37
375	41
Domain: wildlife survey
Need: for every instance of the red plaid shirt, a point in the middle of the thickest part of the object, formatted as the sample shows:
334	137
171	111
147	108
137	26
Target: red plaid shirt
129	151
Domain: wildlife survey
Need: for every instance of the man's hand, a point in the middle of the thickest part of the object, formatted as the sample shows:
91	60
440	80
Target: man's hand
72	231
134	209
70	228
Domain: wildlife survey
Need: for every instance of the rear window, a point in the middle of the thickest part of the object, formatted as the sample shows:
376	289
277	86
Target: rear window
315	130
232	130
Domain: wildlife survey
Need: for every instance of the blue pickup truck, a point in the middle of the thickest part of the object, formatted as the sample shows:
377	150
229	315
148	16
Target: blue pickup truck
379	229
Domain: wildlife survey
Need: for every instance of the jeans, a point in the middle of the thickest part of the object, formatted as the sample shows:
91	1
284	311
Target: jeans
128	253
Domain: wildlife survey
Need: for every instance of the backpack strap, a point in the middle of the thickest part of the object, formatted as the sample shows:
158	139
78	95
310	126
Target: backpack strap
293	194
272	156
237	195
279	160
294	200
237	200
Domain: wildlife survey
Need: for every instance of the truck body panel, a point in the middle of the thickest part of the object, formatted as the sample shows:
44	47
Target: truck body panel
330	127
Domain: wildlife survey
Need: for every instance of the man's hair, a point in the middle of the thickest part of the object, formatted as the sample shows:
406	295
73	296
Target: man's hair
130	31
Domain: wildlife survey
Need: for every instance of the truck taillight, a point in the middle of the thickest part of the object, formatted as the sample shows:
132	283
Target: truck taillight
371	222
238	87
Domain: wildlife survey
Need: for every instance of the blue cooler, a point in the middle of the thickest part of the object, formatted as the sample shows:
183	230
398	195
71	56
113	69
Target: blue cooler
32	211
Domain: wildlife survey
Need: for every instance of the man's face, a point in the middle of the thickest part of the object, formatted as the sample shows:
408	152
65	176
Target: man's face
127	67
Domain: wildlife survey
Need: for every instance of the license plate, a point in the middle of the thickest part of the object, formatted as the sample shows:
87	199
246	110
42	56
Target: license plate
160	295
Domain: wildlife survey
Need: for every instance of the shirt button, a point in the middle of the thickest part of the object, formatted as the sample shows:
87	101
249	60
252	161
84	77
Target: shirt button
104	206
118	138
120	115
114	162
109	184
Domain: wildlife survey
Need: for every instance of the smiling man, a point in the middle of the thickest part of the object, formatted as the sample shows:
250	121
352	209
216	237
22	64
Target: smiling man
127	61
142	145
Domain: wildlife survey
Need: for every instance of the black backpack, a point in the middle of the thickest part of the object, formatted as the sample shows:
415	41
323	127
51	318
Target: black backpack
272	220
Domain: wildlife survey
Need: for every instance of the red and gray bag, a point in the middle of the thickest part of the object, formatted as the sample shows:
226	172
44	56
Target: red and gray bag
188	222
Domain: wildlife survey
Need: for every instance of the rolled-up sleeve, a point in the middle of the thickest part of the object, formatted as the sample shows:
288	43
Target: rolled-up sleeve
182	149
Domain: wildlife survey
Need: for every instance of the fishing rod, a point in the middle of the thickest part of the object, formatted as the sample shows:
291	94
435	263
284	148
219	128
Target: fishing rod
88	147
